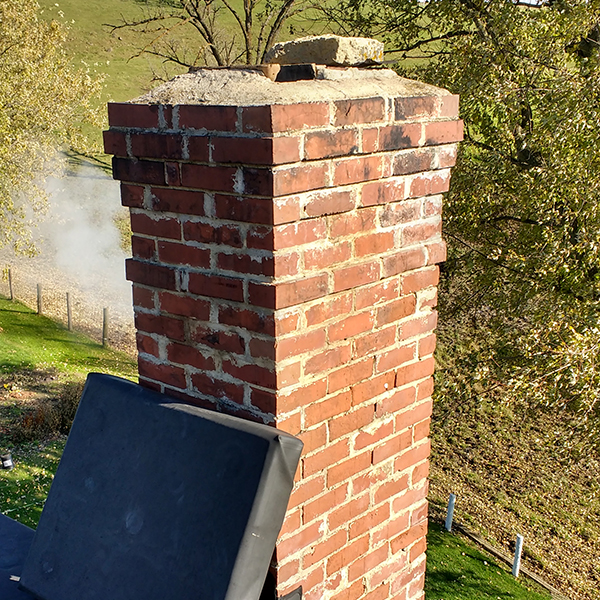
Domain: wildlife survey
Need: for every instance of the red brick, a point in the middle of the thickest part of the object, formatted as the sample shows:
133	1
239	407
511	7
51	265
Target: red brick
392	528
157	145
374	342
367	480
257	181
184	305
212	118
322	459
419	473
260	348
355	276
370	140
397	401
424	323
396	357
323	549
260	237
347	469
347	555
303	396
329	309
319	412
115	142
373	243
177	201
397	137
367	390
383	192
150	274
373	436
168	326
147	345
197	148
412	457
350	592
391	447
367	563
416	414
139	171
369	521
211	386
245	263
324	257
286	210
413	161
396	310
251	373
404	260
350	374
182	254
421	430
325	144
300	344
345	514
306	489
291	523
352	223
430	183
443	132
248	210
350	422
247	319
306	537
389	489
408	499
144	248
425	389
377	294
418	370
162	228
303	232
204	177
324	504
419	280
329	202
352	112
186	355
355	170
284	295
405	539
449	106
436	252
216	286
219	340
292	180
314	439
143	297
446	156
287	322
427	345
172	174
416	551
397	213
167	374
432	206
258	151
299	116
416	106
132	195
350	326
124	114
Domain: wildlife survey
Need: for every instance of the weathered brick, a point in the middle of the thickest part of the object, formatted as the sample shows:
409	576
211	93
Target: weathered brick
319	412
217	388
347	469
177	201
170	327
394	358
396	310
415	107
212	118
329	202
124	114
139	171
216	339
355	276
150	274
182	254
157	145
144	248
284	295
167	374
326	144
205	177
364	110
303	178
415	371
115	142
383	192
161	228
443	132
184	305
187	355
207	233
354	170
215	286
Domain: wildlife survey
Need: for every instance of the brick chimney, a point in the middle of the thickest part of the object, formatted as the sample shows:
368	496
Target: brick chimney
285	243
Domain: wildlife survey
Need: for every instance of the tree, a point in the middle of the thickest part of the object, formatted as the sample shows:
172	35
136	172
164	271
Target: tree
43	103
231	32
520	312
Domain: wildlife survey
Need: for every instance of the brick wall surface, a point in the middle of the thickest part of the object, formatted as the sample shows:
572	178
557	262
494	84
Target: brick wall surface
284	270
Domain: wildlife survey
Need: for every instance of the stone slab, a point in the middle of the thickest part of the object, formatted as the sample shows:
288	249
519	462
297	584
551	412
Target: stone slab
160	500
15	540
331	50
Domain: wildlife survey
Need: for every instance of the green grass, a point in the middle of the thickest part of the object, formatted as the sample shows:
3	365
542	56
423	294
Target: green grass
24	489
458	571
32	341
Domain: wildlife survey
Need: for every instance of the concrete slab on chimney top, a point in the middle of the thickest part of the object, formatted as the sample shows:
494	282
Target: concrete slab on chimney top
249	87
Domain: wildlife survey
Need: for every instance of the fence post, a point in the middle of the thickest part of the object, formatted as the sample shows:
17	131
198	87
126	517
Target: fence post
10	285
39	299
105	327
69	320
517	561
450	513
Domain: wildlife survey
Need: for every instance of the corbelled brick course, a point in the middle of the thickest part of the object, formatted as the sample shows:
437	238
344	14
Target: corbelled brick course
284	270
